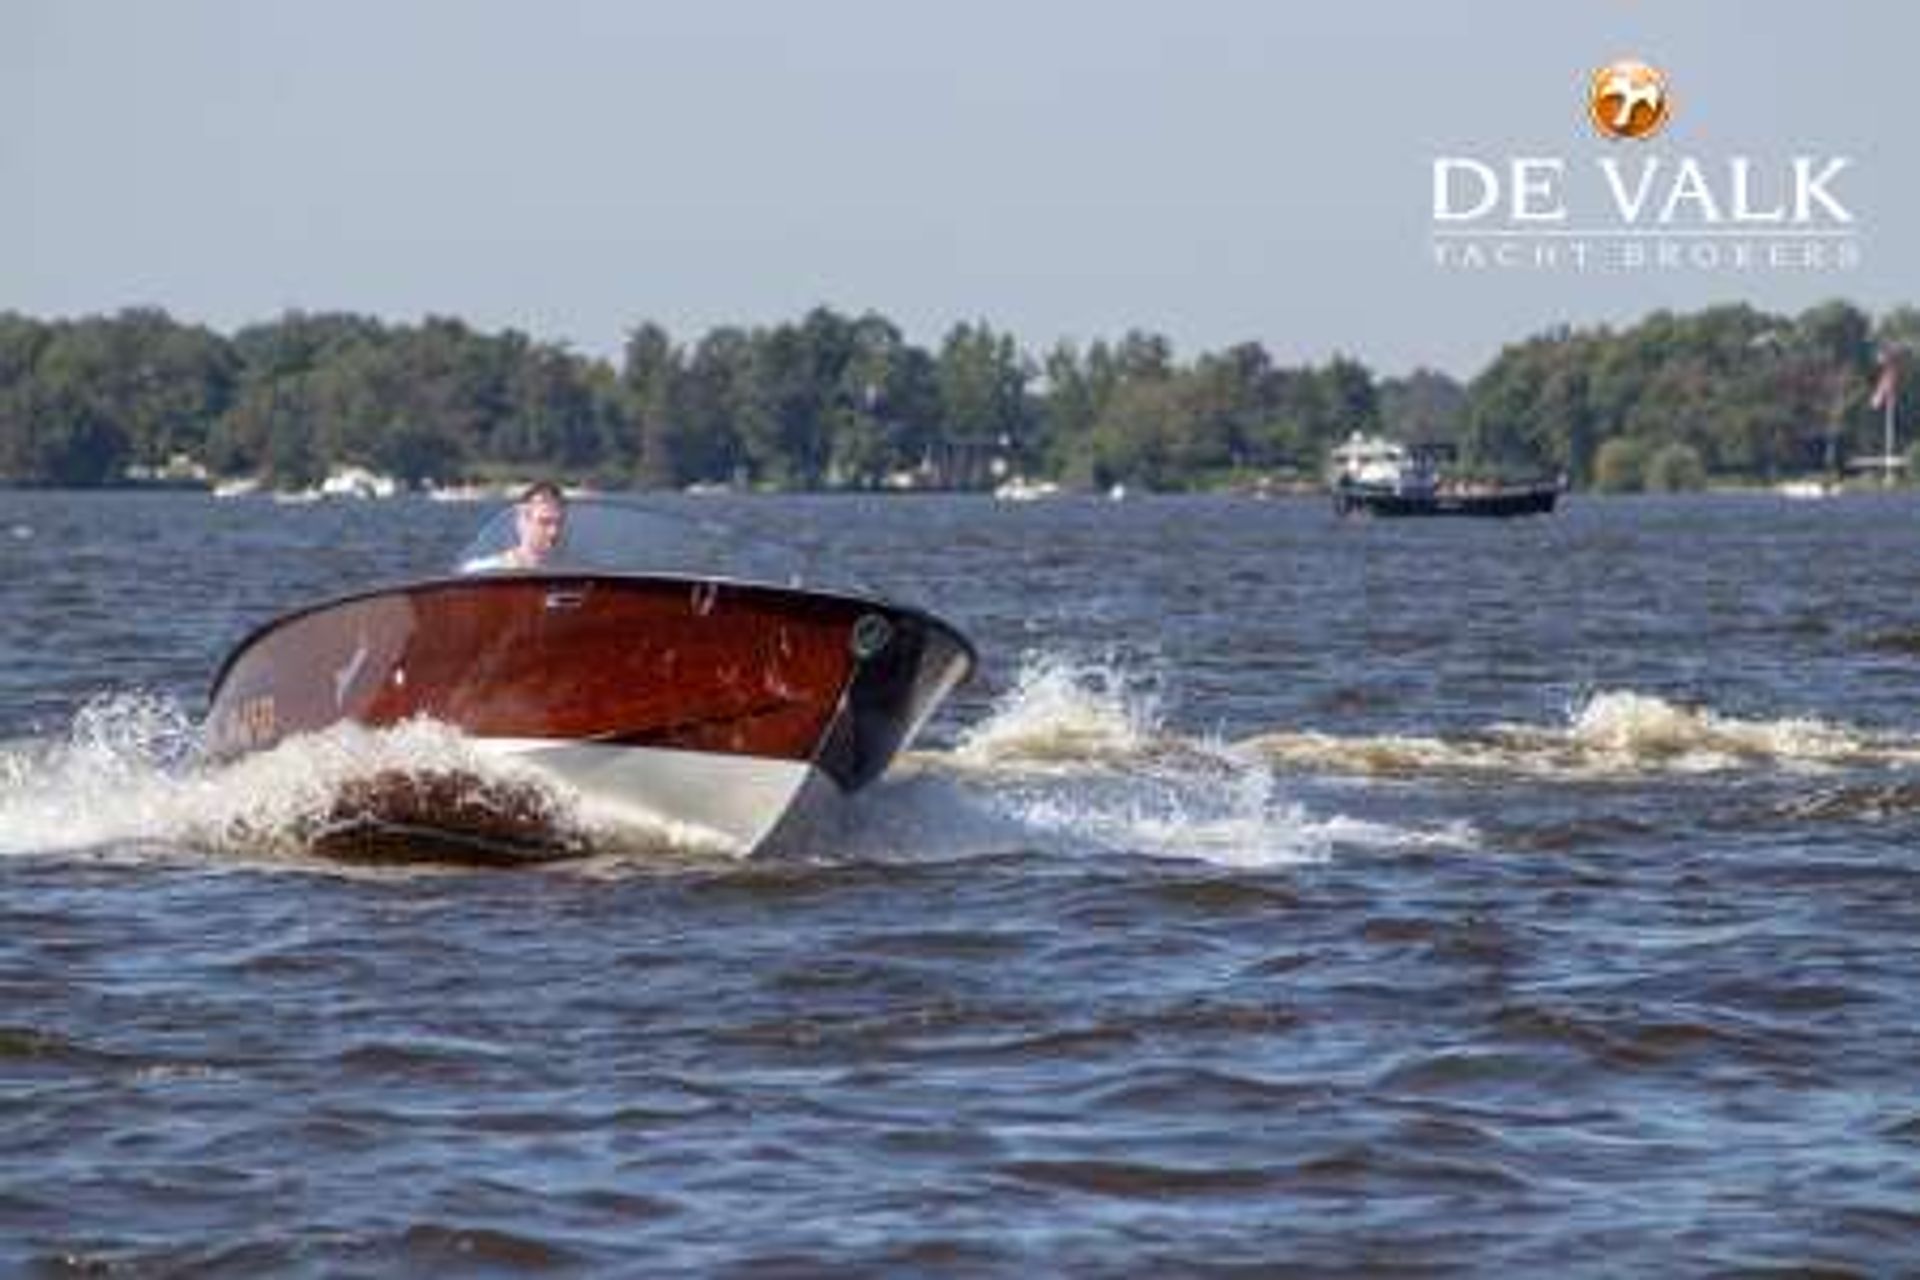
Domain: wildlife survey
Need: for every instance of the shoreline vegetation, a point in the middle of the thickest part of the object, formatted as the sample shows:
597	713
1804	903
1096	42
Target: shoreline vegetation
1728	397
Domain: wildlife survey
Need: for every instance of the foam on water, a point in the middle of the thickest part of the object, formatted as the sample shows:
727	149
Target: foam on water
1074	759
1612	734
1065	714
1078	755
97	784
1635	727
129	772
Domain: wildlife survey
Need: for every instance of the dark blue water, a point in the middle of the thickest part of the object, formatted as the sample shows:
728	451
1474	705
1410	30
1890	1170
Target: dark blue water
1286	896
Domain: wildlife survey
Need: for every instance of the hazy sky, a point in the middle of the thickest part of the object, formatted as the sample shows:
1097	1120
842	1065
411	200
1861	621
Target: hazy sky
1215	171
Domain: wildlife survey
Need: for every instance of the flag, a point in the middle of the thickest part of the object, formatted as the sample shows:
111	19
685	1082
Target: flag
1883	387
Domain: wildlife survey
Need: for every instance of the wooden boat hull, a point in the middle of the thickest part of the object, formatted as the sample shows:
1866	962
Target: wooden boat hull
1531	500
722	705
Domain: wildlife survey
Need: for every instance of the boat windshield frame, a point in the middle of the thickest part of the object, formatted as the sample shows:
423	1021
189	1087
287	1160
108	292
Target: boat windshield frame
607	535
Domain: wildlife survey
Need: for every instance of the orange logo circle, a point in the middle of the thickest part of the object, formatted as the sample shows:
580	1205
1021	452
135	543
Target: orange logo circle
1628	99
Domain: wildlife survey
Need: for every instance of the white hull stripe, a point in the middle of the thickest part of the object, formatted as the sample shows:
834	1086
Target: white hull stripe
741	799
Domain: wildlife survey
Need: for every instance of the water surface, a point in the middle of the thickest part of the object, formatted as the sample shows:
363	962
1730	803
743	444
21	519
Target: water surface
1436	897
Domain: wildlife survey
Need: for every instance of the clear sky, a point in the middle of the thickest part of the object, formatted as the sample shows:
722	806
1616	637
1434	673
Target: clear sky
1216	170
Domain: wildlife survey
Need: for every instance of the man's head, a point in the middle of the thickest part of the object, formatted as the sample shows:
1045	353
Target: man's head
542	518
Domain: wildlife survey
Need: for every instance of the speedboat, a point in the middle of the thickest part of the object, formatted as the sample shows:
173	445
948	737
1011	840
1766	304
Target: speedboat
738	703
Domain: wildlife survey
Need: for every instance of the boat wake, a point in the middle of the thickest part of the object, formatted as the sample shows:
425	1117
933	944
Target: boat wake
1613	735
1076	759
1077	756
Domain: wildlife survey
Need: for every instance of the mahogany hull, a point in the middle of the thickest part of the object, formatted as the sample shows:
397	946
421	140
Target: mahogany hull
675	668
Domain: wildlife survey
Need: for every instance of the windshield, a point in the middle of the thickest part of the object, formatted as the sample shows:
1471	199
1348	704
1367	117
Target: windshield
608	536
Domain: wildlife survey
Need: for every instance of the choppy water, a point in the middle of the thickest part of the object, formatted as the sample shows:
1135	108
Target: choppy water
1286	896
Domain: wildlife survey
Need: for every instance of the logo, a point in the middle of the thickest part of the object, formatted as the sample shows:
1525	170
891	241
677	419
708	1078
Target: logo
1587	207
1628	99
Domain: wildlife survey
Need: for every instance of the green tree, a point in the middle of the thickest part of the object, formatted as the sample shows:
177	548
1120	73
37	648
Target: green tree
724	406
1132	442
982	382
652	380
1675	468
1297	425
1424	405
1223	403
869	438
1620	466
796	368
1350	396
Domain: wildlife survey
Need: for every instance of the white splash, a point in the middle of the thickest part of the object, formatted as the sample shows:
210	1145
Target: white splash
1628	726
1065	713
129	773
1078	756
95	785
1076	760
1617	733
1233	821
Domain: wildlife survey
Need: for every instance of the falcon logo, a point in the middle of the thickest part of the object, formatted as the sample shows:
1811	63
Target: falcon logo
1628	99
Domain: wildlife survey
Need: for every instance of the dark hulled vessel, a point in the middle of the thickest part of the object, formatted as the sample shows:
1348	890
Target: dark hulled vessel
1384	478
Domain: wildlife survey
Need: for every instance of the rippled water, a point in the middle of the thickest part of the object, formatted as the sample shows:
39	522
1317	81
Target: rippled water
1285	895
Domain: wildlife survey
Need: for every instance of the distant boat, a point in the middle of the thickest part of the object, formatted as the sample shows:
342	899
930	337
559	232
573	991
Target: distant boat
179	471
358	482
470	492
1808	490
1380	477
1020	489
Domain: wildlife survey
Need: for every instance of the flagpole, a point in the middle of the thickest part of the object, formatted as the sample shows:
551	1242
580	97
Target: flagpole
1893	398
1886	397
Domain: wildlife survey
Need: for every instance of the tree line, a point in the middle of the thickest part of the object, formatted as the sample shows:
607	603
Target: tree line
839	401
